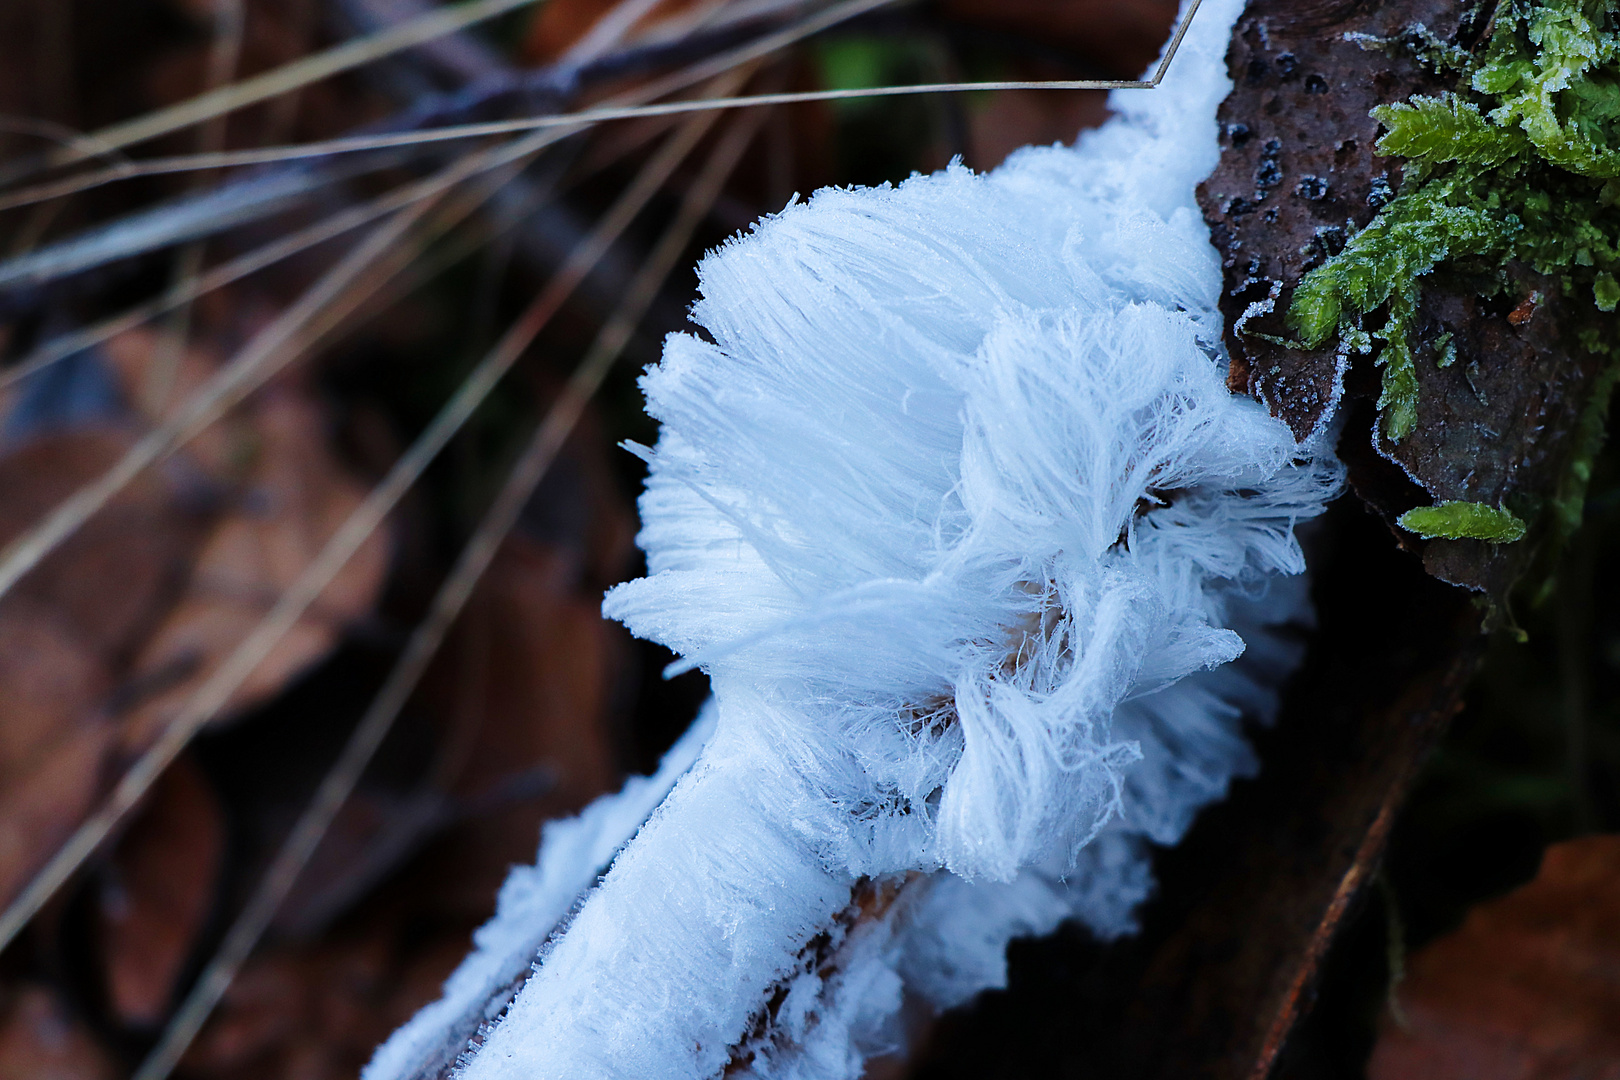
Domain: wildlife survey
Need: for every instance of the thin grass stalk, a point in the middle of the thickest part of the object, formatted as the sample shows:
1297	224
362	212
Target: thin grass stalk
209	698
60	348
582	118
411	264
271	350
608	31
441	22
628	105
230	18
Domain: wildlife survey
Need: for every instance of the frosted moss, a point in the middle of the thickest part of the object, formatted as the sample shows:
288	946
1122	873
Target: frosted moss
1519	162
1463	521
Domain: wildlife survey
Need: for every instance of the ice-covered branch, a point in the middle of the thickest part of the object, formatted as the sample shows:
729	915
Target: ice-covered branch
955	509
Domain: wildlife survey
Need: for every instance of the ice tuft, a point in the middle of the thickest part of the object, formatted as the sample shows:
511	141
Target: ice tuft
987	568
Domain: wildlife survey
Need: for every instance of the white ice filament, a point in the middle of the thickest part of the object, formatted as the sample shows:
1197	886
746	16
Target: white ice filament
953	505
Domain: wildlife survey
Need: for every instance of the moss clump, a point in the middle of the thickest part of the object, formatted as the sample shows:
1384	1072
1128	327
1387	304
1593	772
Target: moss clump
1520	162
1463	521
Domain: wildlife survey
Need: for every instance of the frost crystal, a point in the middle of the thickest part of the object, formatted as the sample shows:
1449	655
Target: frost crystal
955	509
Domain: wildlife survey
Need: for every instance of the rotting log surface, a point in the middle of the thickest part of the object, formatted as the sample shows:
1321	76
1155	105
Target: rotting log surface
1299	174
1249	903
1254	900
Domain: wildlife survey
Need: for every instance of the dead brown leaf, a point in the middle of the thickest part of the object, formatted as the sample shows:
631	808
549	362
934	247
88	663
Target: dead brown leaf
318	1012
135	356
293	498
522	692
41	806
103	641
49	681
108	581
66	627
40	1040
544	691
156	894
1527	989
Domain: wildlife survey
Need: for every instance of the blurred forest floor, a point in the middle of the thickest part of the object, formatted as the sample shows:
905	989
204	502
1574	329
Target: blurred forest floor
534	705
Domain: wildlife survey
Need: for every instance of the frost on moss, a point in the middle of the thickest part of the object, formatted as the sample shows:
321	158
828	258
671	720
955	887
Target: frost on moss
1520	162
1463	521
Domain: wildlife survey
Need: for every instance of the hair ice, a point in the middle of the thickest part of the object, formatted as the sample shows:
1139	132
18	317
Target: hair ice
955	509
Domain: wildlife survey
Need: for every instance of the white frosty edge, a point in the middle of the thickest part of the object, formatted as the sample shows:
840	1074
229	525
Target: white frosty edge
533	901
811	626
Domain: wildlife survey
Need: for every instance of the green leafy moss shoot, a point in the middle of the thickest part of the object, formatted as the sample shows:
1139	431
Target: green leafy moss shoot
1463	520
1520	162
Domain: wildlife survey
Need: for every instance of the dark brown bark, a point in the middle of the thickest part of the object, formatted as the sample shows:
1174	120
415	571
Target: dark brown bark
1230	952
1249	902
1299	173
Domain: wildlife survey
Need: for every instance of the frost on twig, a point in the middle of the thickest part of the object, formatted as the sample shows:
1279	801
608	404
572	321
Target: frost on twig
533	902
955	509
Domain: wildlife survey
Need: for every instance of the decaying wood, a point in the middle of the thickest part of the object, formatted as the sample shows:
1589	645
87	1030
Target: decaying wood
1299	174
1290	861
1249	904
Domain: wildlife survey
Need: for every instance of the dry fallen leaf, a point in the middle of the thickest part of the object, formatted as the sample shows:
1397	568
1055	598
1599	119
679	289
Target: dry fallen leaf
292	499
66	628
41	806
522	697
40	1040
109	635
1527	989
544	692
156	893
49	681
522	691
318	1012
118	571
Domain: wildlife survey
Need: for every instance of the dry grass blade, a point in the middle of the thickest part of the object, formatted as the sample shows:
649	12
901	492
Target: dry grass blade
270	350
230	21
268	254
111	242
585	117
213	694
629	105
78	508
610	29
365	285
447	604
218	277
60	134
296	75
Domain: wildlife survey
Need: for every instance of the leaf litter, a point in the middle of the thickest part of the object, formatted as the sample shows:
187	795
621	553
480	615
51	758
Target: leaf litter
373	930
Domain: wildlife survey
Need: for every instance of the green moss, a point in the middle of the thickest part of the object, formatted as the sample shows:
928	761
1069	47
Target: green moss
1446	129
1463	521
1605	291
1445	350
1518	163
